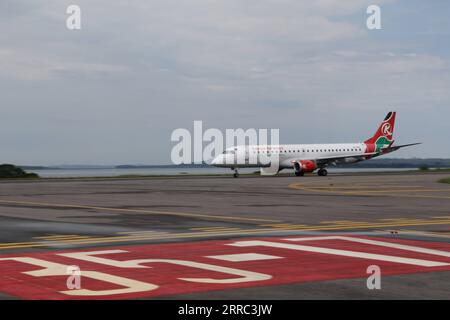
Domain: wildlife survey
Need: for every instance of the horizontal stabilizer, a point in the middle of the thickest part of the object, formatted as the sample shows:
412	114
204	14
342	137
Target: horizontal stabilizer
394	148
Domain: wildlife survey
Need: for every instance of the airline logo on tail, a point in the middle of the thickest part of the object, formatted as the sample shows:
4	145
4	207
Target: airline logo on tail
387	129
384	136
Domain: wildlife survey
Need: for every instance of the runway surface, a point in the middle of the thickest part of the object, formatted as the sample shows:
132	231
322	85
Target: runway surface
219	237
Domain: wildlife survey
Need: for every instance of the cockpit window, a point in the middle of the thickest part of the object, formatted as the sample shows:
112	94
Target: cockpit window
228	152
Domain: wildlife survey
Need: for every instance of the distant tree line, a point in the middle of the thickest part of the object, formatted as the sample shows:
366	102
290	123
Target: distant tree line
8	171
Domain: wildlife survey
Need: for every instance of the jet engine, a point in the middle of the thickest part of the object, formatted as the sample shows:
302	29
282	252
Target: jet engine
303	166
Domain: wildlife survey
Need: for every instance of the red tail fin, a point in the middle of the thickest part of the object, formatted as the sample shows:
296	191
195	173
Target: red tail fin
385	133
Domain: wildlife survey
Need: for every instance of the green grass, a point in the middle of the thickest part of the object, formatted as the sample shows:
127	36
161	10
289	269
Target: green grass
445	180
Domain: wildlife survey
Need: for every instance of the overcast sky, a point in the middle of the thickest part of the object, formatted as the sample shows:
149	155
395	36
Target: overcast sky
113	92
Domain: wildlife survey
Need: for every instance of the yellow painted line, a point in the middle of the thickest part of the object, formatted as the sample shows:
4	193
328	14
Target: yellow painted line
378	225
110	239
405	220
113	239
170	236
142	232
30	245
292	226
137	238
208	228
63	239
312	228
73	242
275	225
224	229
298	186
345	222
282	225
180	214
57	236
122	238
216	230
5	244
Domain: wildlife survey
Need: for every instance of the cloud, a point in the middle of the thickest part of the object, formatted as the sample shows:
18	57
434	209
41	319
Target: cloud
137	70
22	66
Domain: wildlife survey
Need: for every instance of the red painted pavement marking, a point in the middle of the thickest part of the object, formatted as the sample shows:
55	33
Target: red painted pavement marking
171	277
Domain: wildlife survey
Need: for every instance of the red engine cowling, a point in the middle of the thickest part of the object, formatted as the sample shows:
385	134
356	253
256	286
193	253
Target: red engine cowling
305	165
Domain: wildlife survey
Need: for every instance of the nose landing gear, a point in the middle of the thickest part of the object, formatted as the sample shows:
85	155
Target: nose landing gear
236	173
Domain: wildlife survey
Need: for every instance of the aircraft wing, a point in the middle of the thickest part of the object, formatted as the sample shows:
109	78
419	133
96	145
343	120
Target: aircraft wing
340	159
345	158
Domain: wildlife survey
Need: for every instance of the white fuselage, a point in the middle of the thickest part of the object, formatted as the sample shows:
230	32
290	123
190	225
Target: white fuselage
256	155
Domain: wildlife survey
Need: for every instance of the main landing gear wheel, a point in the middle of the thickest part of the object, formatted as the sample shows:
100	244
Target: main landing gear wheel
322	172
299	173
236	173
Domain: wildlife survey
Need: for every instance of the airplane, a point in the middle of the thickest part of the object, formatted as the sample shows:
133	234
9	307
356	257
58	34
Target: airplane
306	158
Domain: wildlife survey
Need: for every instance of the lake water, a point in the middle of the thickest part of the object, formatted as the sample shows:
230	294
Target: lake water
111	172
